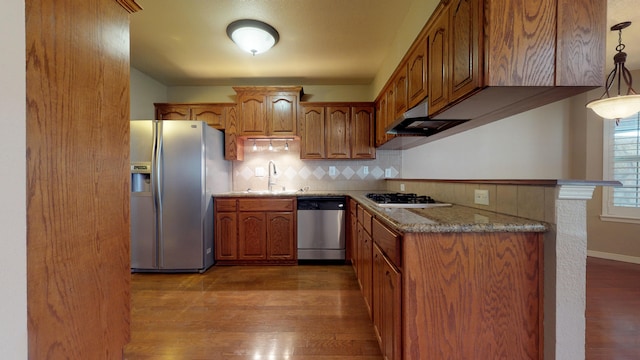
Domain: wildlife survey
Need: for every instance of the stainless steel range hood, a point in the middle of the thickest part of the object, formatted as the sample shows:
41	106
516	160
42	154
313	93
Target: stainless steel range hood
417	122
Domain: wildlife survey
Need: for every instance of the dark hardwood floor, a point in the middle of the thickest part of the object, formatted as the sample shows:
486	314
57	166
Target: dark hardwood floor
613	310
251	312
317	312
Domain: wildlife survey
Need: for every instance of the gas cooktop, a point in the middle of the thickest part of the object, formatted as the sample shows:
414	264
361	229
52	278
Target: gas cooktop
404	200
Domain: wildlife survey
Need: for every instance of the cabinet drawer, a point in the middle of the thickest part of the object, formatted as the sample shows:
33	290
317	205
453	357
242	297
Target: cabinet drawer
226	205
262	204
388	241
366	220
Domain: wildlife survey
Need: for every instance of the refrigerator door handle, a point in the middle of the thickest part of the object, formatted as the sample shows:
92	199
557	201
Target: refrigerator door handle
157	188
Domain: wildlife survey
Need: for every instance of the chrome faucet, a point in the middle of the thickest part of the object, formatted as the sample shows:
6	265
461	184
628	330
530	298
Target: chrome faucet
271	177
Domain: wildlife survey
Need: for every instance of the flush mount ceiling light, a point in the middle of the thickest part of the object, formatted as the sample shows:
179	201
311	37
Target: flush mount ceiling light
253	36
620	106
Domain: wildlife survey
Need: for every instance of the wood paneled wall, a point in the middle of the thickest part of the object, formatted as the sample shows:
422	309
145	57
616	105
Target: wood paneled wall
78	277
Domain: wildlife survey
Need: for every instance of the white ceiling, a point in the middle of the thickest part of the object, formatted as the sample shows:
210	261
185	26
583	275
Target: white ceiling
321	41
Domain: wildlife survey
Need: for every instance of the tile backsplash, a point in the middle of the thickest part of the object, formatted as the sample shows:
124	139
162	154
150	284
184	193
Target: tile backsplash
295	173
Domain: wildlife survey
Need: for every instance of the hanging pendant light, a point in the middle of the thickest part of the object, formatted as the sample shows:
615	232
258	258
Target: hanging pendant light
270	146
619	106
255	147
253	36
286	145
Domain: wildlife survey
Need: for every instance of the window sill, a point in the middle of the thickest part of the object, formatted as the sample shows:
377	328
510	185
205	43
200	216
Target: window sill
621	219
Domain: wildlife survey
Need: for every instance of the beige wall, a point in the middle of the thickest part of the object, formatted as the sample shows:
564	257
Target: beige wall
614	240
531	145
13	260
311	93
144	92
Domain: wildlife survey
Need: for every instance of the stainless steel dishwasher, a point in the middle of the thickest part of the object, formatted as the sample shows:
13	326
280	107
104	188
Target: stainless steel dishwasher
321	227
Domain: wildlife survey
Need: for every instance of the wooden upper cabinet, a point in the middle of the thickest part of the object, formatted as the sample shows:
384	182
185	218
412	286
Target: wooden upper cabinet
337	130
464	36
252	113
400	92
338	144
282	114
267	111
417	73
214	114
172	112
362	129
438	64
380	121
312	132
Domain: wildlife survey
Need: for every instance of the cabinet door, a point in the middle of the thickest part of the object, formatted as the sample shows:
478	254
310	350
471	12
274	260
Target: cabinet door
283	111
367	270
391	310
252	114
252	231
390	115
354	241
338	132
417	74
378	281
464	37
312	132
226	240
213	115
381	116
281	240
438	64
400	93
172	112
362	133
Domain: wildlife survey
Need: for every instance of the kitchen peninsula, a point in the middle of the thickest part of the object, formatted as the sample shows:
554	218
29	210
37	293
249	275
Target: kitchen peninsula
441	282
438	279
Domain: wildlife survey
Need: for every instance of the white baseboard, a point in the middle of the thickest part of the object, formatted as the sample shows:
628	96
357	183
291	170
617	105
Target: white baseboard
616	257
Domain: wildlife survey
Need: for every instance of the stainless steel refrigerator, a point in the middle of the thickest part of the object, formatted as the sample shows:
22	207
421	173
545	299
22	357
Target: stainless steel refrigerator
176	167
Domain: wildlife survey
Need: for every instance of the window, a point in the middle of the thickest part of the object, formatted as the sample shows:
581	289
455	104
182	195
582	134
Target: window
621	162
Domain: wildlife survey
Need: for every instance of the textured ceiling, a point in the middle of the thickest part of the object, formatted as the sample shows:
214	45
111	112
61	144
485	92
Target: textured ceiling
321	41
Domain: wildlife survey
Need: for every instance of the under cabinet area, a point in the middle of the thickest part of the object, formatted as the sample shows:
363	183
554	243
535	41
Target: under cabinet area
255	230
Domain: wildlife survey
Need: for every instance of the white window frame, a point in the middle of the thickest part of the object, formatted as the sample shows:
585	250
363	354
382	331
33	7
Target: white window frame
609	211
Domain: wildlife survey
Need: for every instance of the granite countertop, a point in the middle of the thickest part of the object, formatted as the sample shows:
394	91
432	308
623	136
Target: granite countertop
455	218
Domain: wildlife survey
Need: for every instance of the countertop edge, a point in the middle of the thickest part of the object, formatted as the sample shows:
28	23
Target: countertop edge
423	226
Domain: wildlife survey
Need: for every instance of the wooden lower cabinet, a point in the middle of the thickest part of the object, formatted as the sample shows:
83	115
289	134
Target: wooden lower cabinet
387	292
453	295
281	244
255	231
252	232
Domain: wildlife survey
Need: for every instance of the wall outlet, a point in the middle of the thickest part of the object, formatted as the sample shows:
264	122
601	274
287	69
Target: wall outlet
260	172
365	170
332	171
387	173
401	187
481	197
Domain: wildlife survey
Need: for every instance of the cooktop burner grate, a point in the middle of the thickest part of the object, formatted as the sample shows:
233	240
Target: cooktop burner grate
400	198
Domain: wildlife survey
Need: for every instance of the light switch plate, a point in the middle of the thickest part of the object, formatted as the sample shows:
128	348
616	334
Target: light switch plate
260	171
332	171
365	170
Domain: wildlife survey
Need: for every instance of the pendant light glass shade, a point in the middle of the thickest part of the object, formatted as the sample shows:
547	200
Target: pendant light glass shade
621	105
618	107
253	36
